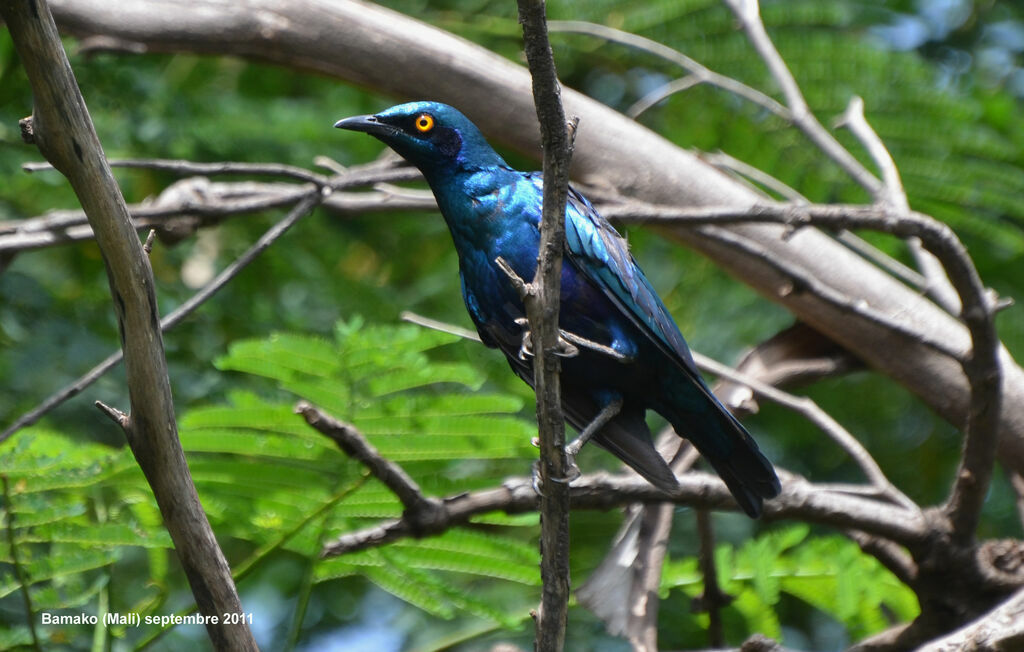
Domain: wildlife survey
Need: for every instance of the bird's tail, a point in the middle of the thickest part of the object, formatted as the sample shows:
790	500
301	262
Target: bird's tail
730	450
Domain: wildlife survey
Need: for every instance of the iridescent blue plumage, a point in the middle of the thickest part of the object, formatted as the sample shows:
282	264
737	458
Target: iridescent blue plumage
494	211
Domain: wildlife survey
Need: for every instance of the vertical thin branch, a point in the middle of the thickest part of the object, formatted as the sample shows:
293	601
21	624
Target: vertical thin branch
542	312
19	572
712	600
63	130
937	283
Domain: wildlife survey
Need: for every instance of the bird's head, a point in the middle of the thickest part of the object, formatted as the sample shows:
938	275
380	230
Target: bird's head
430	135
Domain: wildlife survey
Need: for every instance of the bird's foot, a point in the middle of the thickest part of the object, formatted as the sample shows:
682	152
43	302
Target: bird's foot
572	471
564	348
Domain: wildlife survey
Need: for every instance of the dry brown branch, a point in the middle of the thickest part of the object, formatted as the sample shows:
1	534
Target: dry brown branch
63	130
937	284
541	300
419	509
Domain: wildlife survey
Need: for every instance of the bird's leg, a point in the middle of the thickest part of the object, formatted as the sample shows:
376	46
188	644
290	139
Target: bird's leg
569	345
572	449
594	346
607	413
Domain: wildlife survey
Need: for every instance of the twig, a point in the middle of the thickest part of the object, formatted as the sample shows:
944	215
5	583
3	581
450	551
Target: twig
799	500
712	600
698	71
937	284
201	201
186	168
541	303
813	413
750	18
174	317
420	320
19	571
354	444
658	94
724	161
854	120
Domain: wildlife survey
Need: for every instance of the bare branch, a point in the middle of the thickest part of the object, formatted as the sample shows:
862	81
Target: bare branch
63	130
420	320
542	302
937	285
186	168
699	74
194	202
712	600
810	411
750	18
799	500
354	444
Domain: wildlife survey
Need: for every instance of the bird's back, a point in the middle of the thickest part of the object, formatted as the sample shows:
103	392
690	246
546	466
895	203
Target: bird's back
605	298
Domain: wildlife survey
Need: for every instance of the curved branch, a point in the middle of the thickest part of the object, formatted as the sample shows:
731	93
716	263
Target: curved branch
982	365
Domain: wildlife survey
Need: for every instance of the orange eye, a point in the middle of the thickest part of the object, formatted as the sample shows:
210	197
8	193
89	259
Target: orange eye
424	122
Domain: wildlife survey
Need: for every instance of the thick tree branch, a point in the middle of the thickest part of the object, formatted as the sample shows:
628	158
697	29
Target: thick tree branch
65	135
1000	629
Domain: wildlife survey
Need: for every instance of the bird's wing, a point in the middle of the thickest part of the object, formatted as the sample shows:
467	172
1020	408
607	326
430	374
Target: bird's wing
599	252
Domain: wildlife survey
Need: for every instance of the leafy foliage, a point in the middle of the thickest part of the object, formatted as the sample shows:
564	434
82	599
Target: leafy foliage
829	573
276	486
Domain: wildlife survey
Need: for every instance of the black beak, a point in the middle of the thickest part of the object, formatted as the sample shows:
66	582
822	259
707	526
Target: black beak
365	123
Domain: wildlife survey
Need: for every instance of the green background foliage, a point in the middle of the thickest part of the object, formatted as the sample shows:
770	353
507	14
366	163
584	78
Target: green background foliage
942	88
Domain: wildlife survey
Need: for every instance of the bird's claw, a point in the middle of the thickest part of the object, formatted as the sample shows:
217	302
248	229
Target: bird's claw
564	348
572	471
